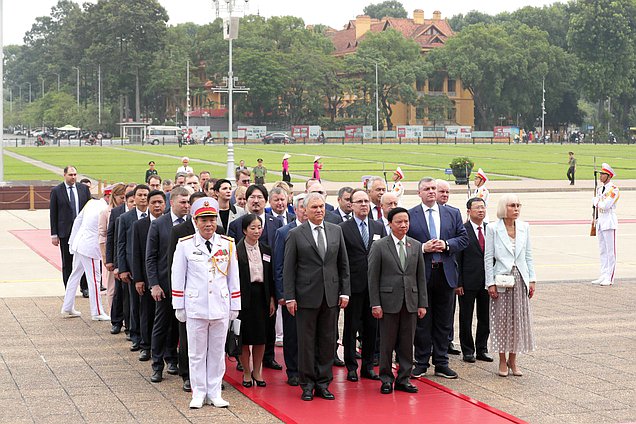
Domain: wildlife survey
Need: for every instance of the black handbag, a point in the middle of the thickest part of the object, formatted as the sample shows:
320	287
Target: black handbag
233	345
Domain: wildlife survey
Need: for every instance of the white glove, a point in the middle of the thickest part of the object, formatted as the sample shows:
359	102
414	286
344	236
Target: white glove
180	314
233	315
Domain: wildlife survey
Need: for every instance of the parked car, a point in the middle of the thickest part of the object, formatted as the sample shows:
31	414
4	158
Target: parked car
278	138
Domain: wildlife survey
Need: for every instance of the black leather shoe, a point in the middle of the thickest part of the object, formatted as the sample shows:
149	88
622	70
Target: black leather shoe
307	394
144	355
85	293
469	358
173	369
337	362
408	388
273	365
325	394
371	375
128	338
115	329
102	288
134	347
484	356
247	383
386	388
186	386
452	350
293	381
352	375
156	376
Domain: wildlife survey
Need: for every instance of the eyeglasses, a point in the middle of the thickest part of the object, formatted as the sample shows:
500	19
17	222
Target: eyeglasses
245	181
361	202
480	208
514	205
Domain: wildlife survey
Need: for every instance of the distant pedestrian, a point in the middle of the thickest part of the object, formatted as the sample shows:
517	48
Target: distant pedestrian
317	167
286	176
259	172
150	171
185	167
398	187
571	167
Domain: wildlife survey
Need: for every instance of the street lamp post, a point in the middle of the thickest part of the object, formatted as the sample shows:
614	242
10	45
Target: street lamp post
188	95
543	109
29	91
2	100
377	106
77	88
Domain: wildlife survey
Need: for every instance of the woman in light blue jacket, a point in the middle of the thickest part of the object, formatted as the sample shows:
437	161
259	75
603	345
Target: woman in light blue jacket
508	252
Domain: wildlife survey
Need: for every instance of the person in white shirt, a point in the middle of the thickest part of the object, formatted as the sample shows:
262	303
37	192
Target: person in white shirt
185	167
606	224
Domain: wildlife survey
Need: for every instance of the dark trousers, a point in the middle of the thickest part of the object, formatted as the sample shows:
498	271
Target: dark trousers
120	313
570	174
431	334
358	317
290	345
451	335
134	321
165	335
184	362
270	341
146	319
259	180
286	177
397	331
316	344
466	307
67	264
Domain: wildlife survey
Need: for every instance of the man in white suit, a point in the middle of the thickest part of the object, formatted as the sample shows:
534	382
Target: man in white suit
606	224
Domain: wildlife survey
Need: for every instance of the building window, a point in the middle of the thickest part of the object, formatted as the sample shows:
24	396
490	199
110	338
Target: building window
436	83
420	113
451	84
420	84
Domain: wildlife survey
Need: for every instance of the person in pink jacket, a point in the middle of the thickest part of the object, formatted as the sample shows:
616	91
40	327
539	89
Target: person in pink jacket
317	167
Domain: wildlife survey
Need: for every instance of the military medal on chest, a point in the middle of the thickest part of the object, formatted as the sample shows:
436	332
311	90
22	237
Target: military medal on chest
221	261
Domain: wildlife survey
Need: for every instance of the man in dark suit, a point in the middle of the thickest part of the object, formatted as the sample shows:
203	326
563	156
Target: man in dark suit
316	282
359	234
442	234
290	345
278	206
125	258
257	196
344	210
156	206
398	296
376	187
313	185
66	201
471	285
165	331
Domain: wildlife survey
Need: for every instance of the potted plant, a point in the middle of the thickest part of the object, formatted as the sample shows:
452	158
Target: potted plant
462	167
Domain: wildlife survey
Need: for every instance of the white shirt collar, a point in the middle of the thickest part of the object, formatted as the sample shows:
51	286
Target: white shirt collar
475	226
313	226
358	220
396	240
435	207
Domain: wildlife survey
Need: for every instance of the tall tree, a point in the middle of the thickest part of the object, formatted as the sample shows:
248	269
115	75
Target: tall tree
391	9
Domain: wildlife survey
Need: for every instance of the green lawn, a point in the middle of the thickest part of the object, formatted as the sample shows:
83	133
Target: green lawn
345	163
16	170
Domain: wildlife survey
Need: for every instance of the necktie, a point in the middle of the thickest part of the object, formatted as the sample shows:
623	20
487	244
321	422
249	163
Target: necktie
321	242
402	254
364	232
179	221
480	237
433	232
378	212
347	217
208	245
71	197
143	215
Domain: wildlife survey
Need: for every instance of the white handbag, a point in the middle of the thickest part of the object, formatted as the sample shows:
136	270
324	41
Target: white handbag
505	281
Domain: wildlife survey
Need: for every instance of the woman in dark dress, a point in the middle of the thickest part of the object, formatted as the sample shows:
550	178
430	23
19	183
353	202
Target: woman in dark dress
257	298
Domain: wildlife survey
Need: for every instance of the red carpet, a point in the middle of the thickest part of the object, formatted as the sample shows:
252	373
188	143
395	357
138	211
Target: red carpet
362	401
40	242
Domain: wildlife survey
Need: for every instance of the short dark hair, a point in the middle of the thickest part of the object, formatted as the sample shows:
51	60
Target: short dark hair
130	194
248	219
155	177
141	187
196	195
396	211
157	193
152	162
472	200
85	180
344	190
220	182
67	167
251	189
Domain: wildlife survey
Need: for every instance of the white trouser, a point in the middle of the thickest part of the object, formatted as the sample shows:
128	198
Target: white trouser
607	247
206	351
279	323
89	266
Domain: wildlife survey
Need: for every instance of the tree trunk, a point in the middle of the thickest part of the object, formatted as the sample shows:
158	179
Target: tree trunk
137	102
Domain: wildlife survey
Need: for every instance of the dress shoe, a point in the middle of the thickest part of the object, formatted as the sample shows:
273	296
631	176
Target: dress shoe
128	338
134	347
115	329
408	388
172	369
248	383
144	355
597	281
100	317
324	393
85	293
102	288
386	388
605	283
156	376
371	375
337	362
307	394
418	371
445	371
218	402
484	356
352	375
259	383
452	350
196	403
239	367
516	372
186	386
469	358
273	365
71	314
293	381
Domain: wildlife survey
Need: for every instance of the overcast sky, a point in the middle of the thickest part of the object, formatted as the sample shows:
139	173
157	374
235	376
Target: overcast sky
19	15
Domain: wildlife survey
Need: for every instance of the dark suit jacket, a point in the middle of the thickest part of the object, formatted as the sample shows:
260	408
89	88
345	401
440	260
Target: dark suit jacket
279	256
111	234
157	246
451	230
307	278
470	262
358	253
124	240
390	286
270	226
139	237
289	216
60	213
244	274
335	217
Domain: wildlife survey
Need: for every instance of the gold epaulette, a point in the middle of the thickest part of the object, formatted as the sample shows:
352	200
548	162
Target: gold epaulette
223	236
186	238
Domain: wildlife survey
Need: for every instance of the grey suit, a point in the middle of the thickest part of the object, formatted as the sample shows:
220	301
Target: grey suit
400	292
315	284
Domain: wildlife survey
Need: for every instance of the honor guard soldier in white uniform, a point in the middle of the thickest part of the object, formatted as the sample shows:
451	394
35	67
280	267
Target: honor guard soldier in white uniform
206	295
398	187
481	192
606	224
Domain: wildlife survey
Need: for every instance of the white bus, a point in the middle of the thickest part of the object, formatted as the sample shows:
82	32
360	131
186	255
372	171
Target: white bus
159	134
